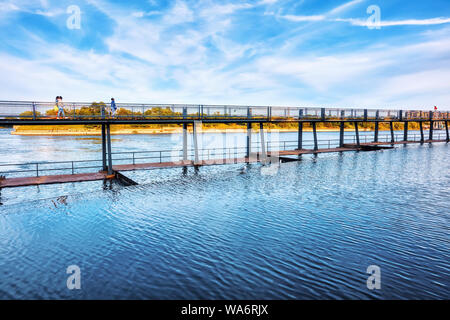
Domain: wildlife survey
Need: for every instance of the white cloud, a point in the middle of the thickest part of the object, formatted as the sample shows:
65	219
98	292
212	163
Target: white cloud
224	9
8	7
320	17
141	14
344	7
303	18
51	13
387	23
180	13
269	2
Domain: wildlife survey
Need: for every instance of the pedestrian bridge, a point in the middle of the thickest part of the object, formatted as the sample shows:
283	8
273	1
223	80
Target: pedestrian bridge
28	112
76	113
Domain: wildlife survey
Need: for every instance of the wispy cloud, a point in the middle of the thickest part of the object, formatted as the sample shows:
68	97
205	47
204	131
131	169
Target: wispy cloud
321	17
8	7
344	7
224	9
387	23
140	14
296	18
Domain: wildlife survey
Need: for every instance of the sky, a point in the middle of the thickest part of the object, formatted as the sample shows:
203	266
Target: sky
350	53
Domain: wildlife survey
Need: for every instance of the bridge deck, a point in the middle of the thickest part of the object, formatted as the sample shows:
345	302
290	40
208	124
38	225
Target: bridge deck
51	179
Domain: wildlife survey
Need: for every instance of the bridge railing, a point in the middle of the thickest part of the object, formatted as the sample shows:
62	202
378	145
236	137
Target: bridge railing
159	156
79	110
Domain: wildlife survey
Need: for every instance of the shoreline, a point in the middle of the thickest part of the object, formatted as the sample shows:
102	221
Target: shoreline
153	131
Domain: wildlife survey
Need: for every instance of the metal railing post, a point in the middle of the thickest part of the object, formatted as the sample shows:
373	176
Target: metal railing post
34	111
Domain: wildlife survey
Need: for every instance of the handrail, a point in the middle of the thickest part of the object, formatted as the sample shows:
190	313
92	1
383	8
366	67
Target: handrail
205	153
32	110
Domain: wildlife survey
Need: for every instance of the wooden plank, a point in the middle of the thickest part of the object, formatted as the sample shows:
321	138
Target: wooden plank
65	178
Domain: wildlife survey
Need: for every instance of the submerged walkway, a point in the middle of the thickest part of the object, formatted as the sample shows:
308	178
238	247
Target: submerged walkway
256	157
52	179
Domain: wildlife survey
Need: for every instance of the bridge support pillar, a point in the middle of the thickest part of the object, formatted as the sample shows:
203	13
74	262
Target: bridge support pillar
341	134
375	138
104	166
357	134
108	139
316	145
431	126
431	131
263	157
185	140
300	136
422	138
446	131
249	141
391	125
405	131
195	140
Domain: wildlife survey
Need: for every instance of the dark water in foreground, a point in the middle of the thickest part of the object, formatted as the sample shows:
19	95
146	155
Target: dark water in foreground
304	230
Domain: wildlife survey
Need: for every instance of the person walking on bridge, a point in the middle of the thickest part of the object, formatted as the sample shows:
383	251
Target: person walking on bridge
60	106
113	107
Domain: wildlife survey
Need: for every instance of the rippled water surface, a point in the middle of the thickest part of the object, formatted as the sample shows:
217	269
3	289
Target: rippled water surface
304	230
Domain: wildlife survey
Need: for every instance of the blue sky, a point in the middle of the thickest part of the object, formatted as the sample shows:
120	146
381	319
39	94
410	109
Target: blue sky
255	52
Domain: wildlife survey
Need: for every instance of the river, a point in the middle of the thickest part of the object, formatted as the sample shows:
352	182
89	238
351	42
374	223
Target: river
300	230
